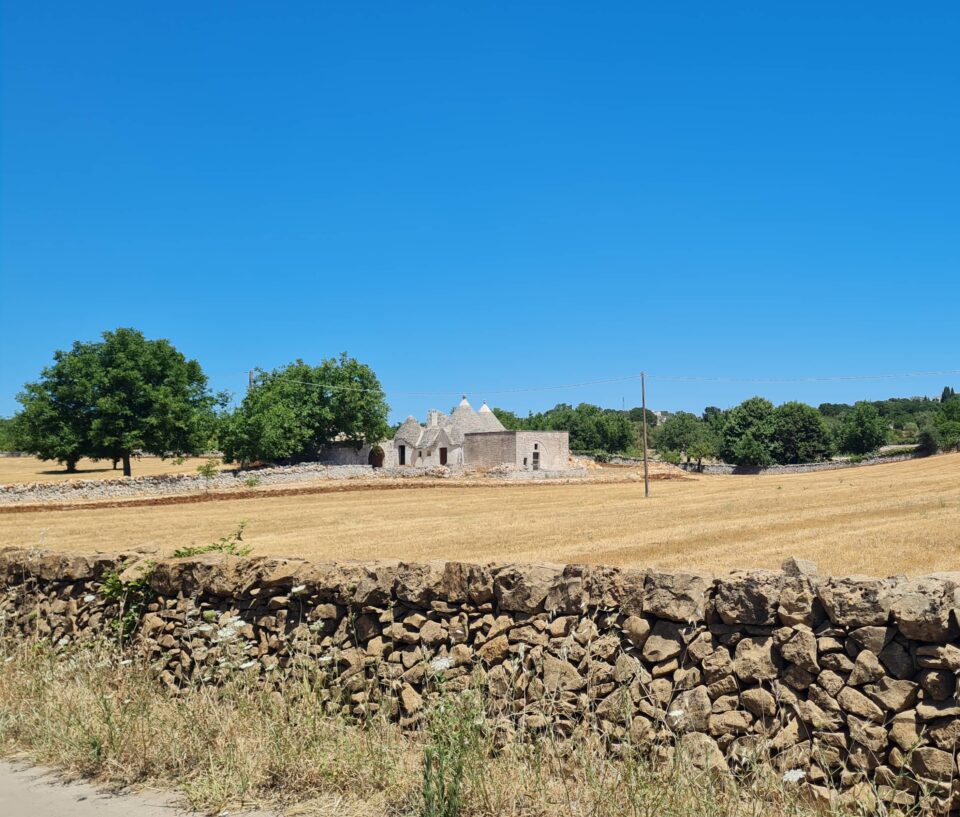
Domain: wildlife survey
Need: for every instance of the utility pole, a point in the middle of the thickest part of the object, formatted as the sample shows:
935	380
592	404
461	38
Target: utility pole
250	380
643	402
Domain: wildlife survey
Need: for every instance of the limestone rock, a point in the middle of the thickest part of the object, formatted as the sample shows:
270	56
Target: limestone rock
690	711
637	630
677	596
938	684
754	660
866	669
524	588
856	703
933	764
559	675
749	597
664	642
801	650
905	730
922	609
891	694
799	567
494	650
873	638
759	703
702	752
855	601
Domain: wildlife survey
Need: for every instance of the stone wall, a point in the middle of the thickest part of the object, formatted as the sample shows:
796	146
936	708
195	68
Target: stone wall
844	684
516	448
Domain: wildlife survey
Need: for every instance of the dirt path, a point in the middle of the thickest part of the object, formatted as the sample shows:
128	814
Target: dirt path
27	791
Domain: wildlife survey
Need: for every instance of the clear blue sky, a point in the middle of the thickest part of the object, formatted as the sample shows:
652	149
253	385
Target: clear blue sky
490	195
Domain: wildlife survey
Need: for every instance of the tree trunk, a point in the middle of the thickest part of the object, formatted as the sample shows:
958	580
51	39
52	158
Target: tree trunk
115	461
126	465
71	466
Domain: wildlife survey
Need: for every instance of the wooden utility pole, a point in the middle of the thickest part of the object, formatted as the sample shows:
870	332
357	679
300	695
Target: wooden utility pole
250	380
643	403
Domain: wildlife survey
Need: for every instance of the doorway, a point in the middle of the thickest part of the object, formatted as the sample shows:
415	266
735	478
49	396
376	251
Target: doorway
443	456
403	455
535	464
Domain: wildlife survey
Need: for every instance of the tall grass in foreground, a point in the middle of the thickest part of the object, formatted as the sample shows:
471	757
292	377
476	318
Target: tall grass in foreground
95	713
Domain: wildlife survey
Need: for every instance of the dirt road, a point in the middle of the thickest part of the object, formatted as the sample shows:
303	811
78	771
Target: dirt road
27	791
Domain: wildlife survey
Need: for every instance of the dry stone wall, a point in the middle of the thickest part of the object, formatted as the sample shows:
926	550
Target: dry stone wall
844	684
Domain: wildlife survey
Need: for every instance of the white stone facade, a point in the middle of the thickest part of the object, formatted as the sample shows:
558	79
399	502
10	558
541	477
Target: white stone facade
524	450
476	439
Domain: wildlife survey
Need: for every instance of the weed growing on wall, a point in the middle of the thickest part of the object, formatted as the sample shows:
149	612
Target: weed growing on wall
132	596
231	544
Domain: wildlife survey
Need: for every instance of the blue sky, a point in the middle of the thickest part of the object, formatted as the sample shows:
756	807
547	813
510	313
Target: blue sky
488	196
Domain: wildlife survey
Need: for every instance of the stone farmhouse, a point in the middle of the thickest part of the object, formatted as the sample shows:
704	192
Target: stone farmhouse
477	439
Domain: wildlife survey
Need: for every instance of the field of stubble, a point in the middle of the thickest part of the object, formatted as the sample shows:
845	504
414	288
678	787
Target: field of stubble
899	517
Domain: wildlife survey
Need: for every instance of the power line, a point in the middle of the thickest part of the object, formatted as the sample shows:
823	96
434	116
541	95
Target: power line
637	377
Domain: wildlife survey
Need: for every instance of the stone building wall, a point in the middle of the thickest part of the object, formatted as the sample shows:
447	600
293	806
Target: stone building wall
846	685
516	448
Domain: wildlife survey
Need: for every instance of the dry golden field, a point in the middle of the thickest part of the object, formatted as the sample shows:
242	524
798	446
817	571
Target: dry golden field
30	469
880	519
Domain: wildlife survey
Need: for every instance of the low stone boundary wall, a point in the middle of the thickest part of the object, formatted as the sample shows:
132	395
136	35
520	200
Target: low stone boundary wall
170	484
726	468
843	683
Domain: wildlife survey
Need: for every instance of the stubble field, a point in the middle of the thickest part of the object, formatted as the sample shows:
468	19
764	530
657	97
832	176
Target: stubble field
30	469
899	517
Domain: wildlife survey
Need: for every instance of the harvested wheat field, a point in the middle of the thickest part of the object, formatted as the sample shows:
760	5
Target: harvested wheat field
901	517
15	470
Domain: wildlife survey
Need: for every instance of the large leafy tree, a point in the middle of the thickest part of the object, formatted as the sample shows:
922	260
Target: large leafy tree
747	433
947	422
149	398
862	429
292	412
8	436
799	434
57	412
114	398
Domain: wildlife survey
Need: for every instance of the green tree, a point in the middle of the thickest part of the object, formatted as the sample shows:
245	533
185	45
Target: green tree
508	419
8	435
58	410
947	393
799	434
862	430
149	398
928	440
947	423
112	398
686	433
747	433
750	449
292	412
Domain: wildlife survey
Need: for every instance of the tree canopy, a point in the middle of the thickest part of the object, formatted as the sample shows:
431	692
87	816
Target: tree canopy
591	428
292	412
862	430
116	397
747	433
799	434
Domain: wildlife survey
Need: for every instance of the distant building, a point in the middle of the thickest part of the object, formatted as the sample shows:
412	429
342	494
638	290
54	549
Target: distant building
476	439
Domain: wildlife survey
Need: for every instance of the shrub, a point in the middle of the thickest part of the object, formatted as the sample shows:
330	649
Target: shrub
209	469
229	544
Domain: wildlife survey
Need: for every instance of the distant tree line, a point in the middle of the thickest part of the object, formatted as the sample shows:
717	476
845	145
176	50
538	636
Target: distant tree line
758	433
124	395
592	429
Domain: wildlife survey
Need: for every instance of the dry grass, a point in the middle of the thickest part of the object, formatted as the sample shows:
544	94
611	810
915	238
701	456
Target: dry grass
93	714
881	519
30	469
